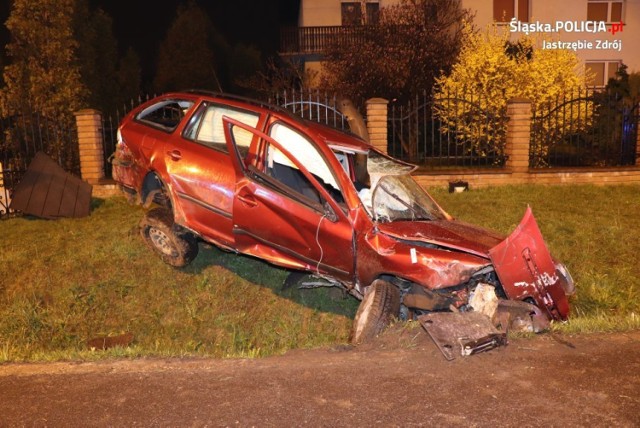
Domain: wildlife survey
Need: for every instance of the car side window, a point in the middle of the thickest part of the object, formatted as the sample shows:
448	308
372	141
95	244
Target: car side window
165	114
282	169
207	127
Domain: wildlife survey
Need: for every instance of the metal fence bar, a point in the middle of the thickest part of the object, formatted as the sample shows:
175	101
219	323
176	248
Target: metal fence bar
314	106
585	129
22	136
432	132
110	123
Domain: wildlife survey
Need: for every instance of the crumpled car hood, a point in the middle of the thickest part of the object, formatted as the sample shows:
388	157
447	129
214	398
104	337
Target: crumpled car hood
452	234
522	261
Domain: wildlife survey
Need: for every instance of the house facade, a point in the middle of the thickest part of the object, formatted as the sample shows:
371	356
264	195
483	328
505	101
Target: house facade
603	33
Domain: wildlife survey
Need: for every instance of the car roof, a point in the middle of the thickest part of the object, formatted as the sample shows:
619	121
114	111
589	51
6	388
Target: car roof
331	136
236	99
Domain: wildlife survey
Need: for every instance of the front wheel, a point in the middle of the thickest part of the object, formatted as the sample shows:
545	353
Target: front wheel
159	233
380	304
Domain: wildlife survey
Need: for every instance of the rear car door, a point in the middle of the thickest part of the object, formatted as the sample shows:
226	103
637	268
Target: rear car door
288	208
201	173
141	139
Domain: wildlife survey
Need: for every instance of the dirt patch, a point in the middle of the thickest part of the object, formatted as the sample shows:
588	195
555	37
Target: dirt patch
400	379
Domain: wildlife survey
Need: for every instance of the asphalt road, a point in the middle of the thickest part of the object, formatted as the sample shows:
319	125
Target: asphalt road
400	380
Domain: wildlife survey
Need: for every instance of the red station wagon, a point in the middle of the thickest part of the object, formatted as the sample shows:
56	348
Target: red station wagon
255	179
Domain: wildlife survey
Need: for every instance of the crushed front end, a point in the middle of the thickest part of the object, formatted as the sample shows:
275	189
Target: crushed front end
527	272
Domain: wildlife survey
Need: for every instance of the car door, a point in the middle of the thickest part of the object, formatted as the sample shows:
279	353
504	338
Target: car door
201	172
281	211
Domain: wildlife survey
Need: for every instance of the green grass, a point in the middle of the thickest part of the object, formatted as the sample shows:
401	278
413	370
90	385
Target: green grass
67	281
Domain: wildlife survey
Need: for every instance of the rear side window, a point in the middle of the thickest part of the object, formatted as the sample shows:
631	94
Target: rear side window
165	114
207	127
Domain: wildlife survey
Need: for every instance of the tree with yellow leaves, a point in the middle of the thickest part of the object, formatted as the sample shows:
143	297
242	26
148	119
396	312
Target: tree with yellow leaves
493	69
62	57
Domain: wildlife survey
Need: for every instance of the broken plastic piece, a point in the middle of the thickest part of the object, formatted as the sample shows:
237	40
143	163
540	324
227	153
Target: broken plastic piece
483	344
484	300
462	333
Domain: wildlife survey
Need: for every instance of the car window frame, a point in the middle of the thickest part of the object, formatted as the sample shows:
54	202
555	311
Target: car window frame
262	158
198	116
252	172
166	101
255	174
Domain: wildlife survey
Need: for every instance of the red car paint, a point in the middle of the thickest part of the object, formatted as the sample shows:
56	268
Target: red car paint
526	269
287	191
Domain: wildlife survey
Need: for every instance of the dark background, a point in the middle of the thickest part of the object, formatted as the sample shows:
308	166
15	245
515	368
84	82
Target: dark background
142	24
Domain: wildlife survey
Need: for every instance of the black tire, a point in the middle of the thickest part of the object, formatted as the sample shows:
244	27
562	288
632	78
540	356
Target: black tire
381	303
161	235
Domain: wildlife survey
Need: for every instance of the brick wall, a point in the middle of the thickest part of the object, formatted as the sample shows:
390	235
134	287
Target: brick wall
603	176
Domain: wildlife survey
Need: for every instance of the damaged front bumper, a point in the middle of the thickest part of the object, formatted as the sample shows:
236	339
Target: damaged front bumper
536	288
527	271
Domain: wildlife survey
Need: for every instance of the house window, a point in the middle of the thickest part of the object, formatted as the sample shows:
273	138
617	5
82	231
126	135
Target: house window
603	10
351	13
373	10
601	72
505	10
357	13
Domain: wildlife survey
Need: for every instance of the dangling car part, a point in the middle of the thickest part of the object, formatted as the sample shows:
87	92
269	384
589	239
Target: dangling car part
463	334
255	179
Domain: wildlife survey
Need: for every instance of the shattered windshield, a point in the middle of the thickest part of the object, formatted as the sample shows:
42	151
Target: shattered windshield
399	197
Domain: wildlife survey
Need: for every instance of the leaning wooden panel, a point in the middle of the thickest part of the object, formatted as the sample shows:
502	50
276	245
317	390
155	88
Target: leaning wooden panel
48	191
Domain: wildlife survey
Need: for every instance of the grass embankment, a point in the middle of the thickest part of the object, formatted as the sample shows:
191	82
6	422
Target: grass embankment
66	281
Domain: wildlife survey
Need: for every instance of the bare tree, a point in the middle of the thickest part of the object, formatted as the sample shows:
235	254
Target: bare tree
400	55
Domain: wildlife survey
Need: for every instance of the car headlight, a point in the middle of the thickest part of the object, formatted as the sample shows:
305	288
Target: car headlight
567	284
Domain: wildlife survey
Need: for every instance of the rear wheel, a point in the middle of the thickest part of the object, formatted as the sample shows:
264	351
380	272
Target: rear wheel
161	235
381	303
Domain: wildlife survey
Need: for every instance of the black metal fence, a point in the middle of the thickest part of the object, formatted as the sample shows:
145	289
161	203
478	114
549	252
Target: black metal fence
8	179
455	130
314	105
585	129
588	129
25	134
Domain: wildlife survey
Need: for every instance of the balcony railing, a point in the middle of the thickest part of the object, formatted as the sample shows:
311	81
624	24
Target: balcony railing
315	40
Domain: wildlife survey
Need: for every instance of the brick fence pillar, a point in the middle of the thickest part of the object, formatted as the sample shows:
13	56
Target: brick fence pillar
518	135
377	122
89	123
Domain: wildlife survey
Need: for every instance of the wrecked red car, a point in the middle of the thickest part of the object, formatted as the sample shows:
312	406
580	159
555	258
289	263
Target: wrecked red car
255	179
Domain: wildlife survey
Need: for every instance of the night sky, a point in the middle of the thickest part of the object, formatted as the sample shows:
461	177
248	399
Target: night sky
142	24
